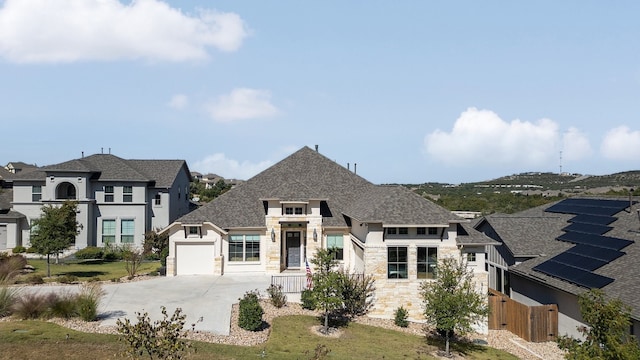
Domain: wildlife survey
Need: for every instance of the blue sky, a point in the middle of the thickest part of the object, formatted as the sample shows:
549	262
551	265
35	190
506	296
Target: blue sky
411	91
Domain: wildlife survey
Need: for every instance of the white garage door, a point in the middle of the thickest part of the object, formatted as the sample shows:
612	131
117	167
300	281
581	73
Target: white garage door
194	259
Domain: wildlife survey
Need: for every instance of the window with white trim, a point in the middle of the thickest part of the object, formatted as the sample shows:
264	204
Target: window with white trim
244	248
157	200
403	231
108	231
427	262
397	262
108	193
36	193
127	231
127	193
471	257
335	243
293	210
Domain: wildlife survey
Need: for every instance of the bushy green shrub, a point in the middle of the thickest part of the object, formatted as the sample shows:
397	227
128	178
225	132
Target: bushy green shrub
163	256
401	316
357	293
67	279
90	252
308	300
34	279
63	306
19	249
88	300
31	250
7	298
276	296
250	311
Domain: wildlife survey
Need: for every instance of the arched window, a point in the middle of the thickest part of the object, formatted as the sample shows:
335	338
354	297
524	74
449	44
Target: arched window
66	191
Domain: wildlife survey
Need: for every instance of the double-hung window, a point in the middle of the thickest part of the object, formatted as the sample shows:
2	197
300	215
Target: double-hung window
471	257
127	193
397	262
427	262
108	193
293	211
36	193
433	231
157	200
421	231
335	243
244	248
108	231
127	230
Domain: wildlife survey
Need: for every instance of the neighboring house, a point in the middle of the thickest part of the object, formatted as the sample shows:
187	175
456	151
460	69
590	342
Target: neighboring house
18	166
118	200
274	222
552	253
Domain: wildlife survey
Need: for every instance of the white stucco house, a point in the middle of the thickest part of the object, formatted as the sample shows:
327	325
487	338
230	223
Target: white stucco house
118	199
273	222
553	253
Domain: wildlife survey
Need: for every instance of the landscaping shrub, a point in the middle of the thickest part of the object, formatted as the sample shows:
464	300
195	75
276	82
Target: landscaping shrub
67	279
34	279
88	300
163	256
90	252
33	305
357	293
11	265
161	339
19	249
308	300
31	250
63	306
7	298
277	297
250	312
401	316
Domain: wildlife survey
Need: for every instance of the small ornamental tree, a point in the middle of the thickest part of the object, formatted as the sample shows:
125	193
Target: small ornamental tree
55	230
607	336
451	303
326	285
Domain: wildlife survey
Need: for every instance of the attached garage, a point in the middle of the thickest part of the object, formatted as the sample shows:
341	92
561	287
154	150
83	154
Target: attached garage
194	258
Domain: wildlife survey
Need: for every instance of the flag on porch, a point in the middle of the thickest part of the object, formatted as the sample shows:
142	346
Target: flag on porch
309	275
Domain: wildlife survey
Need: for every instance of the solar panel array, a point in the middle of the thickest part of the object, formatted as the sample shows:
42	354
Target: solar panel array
592	248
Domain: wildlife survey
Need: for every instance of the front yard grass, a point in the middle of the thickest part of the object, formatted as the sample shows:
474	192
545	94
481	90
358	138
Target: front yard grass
86	270
291	338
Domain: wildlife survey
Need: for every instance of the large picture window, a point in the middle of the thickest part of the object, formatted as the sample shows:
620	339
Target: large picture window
108	231
397	262
244	248
127	231
427	262
335	243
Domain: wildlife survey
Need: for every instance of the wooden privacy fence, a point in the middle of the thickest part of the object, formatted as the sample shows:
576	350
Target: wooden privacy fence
532	323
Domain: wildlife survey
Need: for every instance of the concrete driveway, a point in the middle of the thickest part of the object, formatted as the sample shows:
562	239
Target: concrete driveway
199	296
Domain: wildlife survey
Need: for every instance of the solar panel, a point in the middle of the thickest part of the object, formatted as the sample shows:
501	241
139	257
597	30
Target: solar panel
588	228
589	206
620	204
595	240
574	275
607	255
579	261
593	219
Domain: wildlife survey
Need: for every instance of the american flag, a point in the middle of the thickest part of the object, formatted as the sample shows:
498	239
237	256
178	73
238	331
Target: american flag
309	276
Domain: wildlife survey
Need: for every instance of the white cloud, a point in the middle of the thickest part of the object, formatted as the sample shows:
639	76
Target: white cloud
481	137
242	103
576	145
621	143
46	31
178	101
228	168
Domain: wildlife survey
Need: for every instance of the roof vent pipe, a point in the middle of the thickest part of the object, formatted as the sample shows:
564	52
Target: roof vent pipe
316	148
101	150
355	168
348	168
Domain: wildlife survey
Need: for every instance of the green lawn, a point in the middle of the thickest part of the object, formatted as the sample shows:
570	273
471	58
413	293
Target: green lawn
89	269
290	338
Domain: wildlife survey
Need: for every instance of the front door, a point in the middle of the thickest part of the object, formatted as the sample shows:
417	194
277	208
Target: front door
293	249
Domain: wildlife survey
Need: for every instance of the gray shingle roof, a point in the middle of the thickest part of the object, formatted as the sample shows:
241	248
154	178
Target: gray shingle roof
467	235
624	270
6	197
306	175
107	167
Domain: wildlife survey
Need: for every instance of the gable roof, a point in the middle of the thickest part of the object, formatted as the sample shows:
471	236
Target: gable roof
308	175
542	234
107	167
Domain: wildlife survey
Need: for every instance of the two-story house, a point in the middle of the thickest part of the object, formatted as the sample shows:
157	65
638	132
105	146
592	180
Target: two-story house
118	200
276	220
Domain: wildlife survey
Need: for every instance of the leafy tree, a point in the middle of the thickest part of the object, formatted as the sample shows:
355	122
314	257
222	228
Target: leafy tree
162	339
451	302
198	188
55	230
155	243
326	284
607	336
132	257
